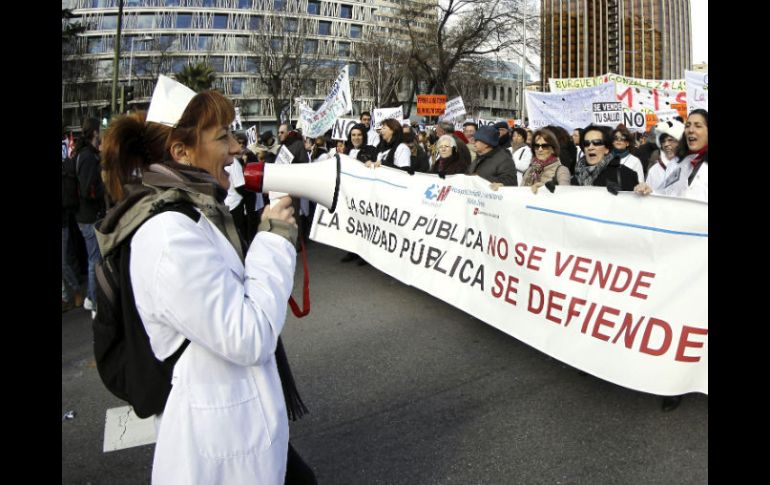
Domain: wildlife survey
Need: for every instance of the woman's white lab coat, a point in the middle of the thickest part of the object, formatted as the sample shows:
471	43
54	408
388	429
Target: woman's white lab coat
225	420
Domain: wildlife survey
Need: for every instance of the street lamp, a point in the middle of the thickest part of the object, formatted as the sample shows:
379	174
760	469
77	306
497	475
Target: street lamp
116	60
131	55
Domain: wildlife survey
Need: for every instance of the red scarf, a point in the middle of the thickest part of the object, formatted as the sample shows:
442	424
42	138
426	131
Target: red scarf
537	167
699	155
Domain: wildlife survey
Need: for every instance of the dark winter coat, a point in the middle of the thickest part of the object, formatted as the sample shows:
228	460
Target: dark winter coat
495	166
628	177
90	185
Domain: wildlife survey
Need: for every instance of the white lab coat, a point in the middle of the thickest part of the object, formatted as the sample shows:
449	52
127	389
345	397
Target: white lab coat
225	421
677	177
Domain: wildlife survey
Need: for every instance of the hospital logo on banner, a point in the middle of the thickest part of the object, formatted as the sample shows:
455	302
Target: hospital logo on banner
435	194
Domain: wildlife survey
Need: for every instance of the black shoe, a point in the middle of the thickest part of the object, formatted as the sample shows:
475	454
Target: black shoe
349	257
670	403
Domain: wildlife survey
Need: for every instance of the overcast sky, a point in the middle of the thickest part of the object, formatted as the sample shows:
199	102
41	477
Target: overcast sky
699	10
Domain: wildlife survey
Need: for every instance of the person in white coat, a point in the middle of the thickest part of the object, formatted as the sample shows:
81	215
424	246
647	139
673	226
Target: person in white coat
621	141
667	135
226	418
521	152
688	176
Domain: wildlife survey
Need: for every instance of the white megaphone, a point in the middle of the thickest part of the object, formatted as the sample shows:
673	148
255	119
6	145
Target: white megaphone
319	181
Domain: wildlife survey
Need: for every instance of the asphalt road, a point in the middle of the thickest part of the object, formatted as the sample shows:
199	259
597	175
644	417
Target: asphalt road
403	388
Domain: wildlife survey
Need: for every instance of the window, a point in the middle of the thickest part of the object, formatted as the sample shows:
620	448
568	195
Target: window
279	4
220	21
236	86
204	41
313	7
145	21
346	11
324	28
344	49
255	22
355	31
178	63
251	65
183	20
110	22
353	70
311	46
218	63
250	107
95	45
276	43
292	25
244	3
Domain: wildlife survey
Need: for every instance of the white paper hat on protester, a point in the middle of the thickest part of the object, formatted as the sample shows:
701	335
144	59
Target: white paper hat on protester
671	128
169	100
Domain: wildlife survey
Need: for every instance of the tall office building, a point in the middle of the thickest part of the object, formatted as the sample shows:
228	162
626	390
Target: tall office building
647	39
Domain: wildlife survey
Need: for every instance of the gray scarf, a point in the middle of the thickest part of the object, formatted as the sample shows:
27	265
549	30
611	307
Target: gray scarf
587	174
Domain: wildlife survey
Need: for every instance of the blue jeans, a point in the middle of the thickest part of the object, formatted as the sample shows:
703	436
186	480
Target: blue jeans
68	275
94	256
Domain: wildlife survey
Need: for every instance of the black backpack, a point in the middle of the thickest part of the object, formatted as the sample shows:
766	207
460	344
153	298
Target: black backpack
70	196
124	357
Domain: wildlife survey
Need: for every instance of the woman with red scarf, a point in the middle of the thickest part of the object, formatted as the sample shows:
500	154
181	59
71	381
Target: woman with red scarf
689	177
545	165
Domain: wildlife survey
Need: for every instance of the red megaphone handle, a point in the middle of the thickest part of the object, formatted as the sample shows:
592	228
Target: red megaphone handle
305	287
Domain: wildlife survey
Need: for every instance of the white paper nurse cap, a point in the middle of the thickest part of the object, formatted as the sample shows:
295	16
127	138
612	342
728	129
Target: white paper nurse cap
169	100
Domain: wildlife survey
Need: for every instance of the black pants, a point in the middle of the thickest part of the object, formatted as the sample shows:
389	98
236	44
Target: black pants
297	471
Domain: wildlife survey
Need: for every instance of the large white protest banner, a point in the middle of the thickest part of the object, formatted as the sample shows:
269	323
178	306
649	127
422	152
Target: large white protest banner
614	285
454	108
645	96
382	114
338	102
697	90
568	109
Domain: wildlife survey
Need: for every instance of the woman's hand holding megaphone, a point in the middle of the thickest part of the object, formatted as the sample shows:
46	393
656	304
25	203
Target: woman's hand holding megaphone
281	210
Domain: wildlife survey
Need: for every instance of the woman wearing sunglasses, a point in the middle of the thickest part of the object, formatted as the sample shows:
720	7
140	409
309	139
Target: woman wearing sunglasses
599	167
621	141
545	165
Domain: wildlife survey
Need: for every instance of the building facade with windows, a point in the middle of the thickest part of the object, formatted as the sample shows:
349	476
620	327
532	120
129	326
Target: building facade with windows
647	39
162	36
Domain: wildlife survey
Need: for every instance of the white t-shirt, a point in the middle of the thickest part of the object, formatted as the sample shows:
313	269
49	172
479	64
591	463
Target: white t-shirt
402	157
522	158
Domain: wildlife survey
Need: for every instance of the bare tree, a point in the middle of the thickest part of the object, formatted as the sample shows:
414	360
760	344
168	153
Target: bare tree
384	64
288	59
467	36
78	73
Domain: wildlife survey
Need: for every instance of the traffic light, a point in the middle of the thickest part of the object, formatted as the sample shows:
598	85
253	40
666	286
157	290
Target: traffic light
129	93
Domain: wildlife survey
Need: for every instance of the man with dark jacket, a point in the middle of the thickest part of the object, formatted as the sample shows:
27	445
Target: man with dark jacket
92	205
505	134
493	162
